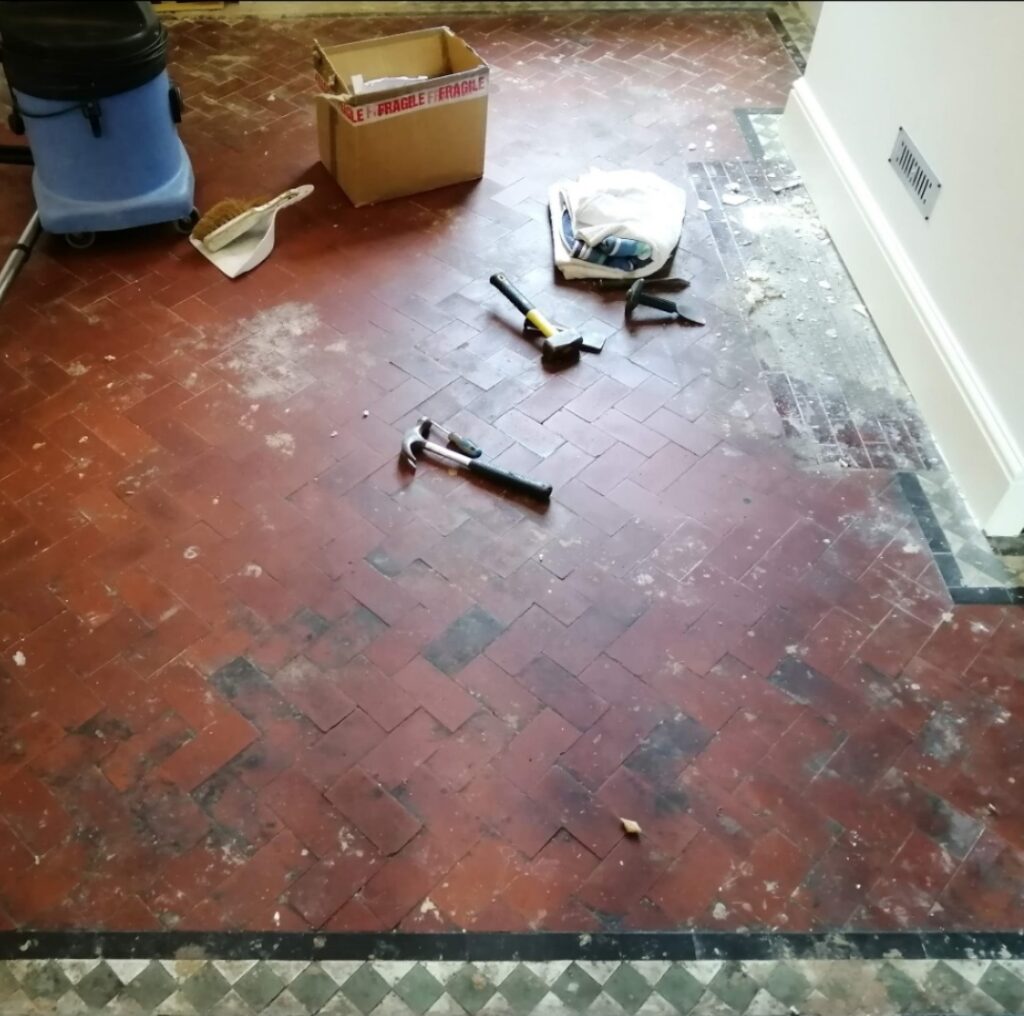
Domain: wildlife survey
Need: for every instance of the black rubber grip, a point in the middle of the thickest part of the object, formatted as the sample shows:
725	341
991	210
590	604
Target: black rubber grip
513	481
500	282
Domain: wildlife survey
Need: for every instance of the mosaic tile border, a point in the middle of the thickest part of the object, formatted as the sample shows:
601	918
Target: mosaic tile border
745	116
944	557
782	29
382	987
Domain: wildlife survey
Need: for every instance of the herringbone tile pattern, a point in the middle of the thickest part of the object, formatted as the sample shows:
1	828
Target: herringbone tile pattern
255	676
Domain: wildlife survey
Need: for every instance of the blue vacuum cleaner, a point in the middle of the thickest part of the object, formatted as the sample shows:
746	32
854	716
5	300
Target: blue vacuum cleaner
90	89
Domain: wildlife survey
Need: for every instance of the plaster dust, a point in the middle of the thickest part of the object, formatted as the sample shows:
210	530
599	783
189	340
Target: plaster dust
282	442
801	307
266	358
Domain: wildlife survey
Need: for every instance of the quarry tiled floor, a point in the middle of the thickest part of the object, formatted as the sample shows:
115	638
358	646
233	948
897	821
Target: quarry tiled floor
257	677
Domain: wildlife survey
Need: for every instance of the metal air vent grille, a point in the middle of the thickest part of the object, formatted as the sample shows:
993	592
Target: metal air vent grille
917	176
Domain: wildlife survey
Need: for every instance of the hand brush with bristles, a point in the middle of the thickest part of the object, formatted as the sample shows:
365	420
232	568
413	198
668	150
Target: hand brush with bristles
227	220
222	213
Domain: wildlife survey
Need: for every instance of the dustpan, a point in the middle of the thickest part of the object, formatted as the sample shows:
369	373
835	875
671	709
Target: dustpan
252	247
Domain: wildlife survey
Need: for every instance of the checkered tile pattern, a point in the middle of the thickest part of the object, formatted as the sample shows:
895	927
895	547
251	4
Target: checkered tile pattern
765	126
609	988
979	565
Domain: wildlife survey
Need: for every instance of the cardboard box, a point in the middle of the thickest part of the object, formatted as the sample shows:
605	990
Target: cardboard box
405	139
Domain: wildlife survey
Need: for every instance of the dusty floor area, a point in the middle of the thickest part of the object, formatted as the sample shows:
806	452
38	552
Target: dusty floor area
254	676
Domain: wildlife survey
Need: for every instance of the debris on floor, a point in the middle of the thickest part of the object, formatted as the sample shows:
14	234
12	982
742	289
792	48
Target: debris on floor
779	188
262	679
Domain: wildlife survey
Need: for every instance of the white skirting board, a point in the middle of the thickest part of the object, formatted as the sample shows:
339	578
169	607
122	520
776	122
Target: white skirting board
976	443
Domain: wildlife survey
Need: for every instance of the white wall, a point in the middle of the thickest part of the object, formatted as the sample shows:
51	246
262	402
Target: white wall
947	294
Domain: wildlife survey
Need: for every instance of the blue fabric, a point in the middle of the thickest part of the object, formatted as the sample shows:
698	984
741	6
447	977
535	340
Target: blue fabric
621	253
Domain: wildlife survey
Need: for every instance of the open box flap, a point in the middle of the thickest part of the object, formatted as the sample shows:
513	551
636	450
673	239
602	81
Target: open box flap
437	53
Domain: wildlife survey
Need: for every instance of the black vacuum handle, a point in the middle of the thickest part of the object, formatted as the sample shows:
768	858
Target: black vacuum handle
500	282
513	481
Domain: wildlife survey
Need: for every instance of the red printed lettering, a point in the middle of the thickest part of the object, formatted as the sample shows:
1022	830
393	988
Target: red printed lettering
385	108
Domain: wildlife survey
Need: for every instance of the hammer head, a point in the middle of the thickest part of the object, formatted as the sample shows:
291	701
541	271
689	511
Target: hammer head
412	442
563	344
633	296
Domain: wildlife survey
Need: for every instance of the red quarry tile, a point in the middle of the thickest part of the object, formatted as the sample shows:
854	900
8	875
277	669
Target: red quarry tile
893	643
840	882
583	641
33	812
920	872
145	751
788	811
608	743
211	749
663	814
525	639
480	739
355	916
373	811
734	752
535	749
405	748
868	753
251	892
502	694
397	888
476	881
687	888
301	807
579	810
872	819
437	693
332	881
171	815
333	754
768	877
40	888
521	820
956	642
182	687
63	696
803	751
559	690
376	694
550	880
313	692
624	875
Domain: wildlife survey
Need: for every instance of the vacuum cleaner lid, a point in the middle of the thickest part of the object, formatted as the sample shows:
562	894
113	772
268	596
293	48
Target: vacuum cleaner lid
77	51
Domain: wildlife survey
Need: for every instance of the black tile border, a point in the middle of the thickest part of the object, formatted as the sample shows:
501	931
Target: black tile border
938	544
533	947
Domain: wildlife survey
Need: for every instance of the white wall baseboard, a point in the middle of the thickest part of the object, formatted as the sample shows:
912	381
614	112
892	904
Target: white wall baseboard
970	432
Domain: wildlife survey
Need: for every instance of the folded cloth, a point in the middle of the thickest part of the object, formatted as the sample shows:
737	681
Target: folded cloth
619	224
